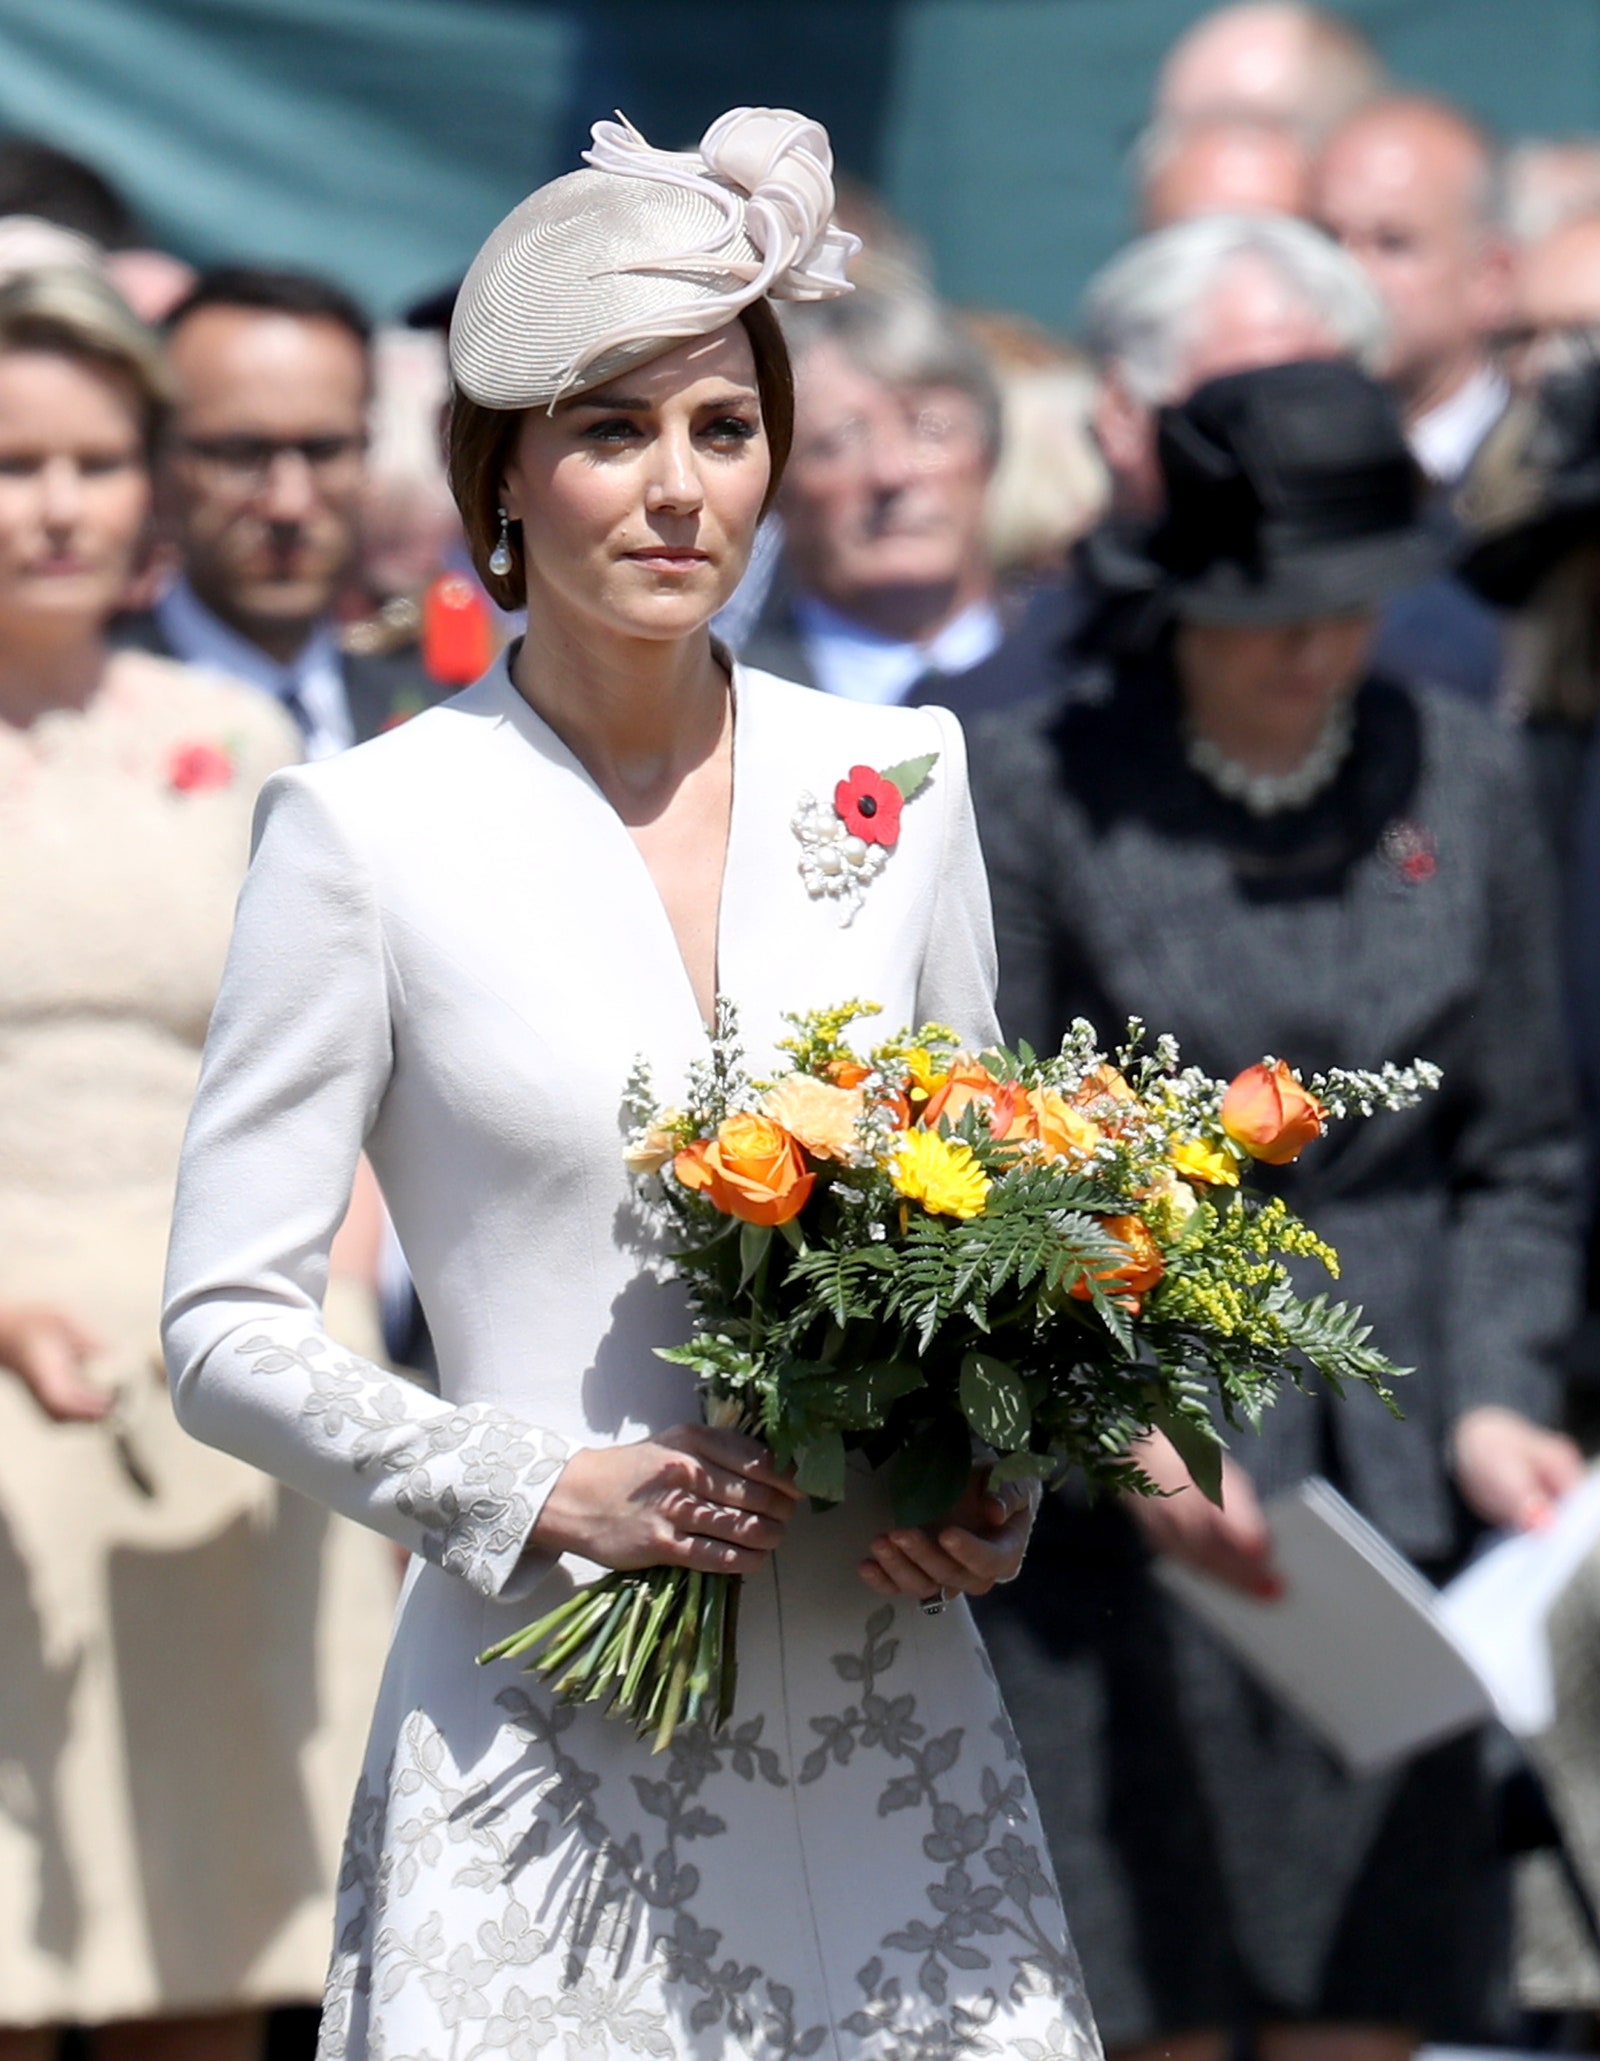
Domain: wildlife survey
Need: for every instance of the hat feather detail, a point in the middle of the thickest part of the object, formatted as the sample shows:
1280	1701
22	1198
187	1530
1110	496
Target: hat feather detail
770	172
607	267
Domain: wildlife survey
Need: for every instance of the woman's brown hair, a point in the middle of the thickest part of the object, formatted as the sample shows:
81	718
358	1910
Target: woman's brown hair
481	440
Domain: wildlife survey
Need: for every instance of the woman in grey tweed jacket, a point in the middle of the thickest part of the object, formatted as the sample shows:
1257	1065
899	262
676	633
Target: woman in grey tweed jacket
1249	844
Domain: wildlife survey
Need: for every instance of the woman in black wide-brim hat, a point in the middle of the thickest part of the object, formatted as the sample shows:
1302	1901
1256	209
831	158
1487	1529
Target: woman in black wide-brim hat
1254	842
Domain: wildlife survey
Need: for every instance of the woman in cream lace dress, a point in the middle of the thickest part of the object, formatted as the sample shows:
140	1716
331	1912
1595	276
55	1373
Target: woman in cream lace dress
188	1651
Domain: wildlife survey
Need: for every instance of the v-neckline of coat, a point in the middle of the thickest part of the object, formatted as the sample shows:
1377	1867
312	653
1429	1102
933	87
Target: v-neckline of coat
563	752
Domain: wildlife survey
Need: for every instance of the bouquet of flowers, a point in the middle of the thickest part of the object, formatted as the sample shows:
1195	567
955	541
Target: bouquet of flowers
942	1260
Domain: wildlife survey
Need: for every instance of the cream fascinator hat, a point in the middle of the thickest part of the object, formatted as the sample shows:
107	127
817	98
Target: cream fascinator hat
603	269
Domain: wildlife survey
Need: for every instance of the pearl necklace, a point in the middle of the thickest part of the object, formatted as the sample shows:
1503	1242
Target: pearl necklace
1274	794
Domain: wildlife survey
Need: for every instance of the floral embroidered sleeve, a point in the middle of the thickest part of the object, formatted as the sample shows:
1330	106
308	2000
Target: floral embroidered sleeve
296	1066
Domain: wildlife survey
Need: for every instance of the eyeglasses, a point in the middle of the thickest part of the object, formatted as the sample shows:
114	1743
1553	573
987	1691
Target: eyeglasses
245	464
931	435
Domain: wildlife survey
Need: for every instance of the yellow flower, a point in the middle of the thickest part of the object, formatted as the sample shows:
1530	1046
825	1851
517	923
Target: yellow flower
1215	1165
923	1072
940	1173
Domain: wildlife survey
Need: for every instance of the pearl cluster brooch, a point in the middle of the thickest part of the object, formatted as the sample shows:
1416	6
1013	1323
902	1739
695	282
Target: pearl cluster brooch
845	848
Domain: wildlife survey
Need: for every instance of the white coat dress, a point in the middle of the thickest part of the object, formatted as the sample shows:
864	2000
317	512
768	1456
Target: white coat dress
450	950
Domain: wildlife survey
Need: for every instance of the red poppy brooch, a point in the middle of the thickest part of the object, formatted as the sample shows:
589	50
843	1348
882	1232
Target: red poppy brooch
845	848
1410	852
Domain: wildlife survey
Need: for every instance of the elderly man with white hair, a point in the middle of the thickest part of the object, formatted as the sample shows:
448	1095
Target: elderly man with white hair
1224	293
1219	294
885	582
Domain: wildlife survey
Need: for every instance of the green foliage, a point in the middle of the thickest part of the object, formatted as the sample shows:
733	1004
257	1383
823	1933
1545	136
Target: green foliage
818	1042
927	1342
819	1467
1186	1421
931	1471
910	775
994	1400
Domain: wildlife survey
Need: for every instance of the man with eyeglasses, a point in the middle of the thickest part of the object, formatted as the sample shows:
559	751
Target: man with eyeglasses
885	589
261	496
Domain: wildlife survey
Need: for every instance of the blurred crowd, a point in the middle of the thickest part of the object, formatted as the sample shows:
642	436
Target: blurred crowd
1270	602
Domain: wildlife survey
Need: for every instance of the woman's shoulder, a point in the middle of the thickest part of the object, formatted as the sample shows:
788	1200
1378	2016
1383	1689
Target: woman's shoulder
418	765
1466	748
211	731
151	689
816	725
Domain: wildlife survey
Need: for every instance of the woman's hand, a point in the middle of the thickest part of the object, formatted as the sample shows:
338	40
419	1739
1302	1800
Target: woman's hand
1511	1471
691	1498
1232	1544
980	1543
47	1349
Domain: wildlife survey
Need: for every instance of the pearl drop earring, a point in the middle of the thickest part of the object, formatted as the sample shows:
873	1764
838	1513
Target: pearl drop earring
500	557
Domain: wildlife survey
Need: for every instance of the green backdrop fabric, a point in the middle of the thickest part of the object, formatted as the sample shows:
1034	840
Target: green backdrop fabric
379	139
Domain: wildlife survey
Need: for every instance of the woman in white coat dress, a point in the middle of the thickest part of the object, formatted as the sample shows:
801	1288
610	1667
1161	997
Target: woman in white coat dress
453	946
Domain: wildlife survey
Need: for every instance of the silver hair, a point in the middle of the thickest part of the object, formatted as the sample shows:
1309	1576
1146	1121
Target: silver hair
1144	309
1546	182
903	339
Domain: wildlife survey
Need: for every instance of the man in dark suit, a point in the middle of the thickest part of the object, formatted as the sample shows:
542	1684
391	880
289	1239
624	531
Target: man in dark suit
262	489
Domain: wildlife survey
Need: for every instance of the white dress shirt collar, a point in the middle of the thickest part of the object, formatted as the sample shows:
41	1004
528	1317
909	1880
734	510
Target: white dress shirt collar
859	664
1444	440
310	686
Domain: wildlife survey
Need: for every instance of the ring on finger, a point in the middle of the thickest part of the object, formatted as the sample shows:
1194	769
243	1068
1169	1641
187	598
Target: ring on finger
936	1604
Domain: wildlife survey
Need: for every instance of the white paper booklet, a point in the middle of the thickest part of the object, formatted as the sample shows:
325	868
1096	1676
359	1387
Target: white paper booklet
1369	1654
1498	1611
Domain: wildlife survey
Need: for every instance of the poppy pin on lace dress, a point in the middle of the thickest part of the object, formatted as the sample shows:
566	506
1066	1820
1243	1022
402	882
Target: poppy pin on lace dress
845	848
199	768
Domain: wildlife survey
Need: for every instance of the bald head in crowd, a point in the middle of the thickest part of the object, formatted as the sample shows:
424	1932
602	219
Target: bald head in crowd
1278	62
1407	185
1221	165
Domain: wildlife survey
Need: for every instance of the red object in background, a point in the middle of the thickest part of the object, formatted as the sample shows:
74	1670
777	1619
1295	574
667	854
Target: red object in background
198	768
457	640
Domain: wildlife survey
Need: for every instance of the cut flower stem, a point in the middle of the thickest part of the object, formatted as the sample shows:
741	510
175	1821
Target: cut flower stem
654	1645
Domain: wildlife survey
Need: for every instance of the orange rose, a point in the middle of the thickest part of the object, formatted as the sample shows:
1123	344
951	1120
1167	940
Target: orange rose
752	1169
847	1073
1268	1112
1137	1274
823	1118
1006	1105
1105	1096
1012	1117
1064	1132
